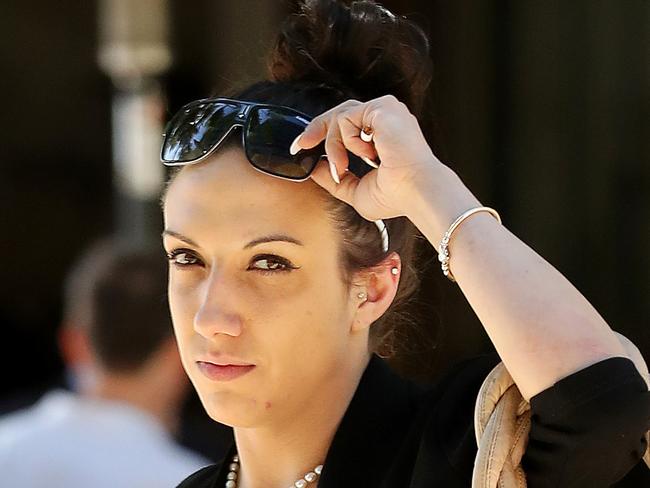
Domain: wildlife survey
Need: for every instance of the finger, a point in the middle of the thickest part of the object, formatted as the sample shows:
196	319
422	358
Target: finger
344	190
335	149
316	130
313	134
350	123
321	175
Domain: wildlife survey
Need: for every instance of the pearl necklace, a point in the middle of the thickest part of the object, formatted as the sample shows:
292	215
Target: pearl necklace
301	483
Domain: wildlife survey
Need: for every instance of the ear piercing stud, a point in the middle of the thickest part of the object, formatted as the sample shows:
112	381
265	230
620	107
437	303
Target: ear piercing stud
362	294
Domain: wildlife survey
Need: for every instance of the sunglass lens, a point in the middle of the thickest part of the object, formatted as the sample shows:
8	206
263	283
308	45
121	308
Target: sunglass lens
269	134
195	129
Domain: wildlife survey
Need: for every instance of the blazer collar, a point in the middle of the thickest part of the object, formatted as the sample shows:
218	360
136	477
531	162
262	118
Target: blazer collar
372	429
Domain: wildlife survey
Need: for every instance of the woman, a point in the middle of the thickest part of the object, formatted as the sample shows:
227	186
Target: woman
282	294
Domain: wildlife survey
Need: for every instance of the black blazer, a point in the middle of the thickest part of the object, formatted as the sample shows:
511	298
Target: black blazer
587	430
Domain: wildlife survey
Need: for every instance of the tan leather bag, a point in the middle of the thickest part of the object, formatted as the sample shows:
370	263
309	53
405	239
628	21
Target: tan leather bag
502	425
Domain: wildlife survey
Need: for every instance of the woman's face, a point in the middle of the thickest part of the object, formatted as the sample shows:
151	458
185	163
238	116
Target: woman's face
279	305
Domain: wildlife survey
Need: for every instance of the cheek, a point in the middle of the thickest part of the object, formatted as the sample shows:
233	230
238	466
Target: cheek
182	310
179	304
306	328
296	315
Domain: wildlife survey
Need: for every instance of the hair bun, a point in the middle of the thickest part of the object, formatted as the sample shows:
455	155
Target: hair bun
362	49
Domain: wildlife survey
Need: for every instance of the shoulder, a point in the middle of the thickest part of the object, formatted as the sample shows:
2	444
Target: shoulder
27	424
447	447
460	382
203	478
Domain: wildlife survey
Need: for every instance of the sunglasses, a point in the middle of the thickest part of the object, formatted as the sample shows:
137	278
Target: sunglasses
199	128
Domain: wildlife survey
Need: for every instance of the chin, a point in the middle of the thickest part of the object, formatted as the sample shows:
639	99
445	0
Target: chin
232	409
234	421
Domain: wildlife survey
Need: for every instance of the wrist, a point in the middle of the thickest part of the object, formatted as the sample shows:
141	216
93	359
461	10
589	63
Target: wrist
438	197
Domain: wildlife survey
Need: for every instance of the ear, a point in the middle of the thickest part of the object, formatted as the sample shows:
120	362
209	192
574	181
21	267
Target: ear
167	358
74	345
380	286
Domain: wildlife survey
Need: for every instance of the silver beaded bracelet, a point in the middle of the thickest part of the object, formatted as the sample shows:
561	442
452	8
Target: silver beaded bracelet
443	253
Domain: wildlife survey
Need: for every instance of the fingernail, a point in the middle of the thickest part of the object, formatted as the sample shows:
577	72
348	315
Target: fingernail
294	146
335	176
370	162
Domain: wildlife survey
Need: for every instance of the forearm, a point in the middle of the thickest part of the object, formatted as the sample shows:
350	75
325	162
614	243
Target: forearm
540	324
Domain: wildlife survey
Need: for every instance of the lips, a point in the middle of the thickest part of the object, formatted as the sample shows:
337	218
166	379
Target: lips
223	367
226	372
223	360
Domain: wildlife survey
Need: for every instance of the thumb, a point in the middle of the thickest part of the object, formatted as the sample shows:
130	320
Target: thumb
344	190
321	175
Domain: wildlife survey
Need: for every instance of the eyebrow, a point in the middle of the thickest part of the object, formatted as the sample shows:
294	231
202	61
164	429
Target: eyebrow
254	242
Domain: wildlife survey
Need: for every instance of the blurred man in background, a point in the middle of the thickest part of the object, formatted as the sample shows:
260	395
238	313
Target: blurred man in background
116	428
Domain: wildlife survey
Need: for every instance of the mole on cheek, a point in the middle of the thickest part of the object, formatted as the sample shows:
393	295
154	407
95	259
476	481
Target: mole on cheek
267	405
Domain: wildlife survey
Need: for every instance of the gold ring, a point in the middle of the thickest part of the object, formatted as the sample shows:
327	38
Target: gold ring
366	134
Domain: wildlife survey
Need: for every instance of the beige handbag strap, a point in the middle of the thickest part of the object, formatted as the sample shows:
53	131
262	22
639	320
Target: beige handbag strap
502	425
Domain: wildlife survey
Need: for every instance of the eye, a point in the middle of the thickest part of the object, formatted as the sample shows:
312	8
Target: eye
269	263
273	264
182	258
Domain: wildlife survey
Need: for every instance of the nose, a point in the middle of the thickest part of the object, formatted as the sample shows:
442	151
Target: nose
213	315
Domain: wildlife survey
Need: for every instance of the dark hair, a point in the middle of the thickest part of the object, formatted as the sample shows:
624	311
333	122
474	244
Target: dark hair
118	293
327	53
